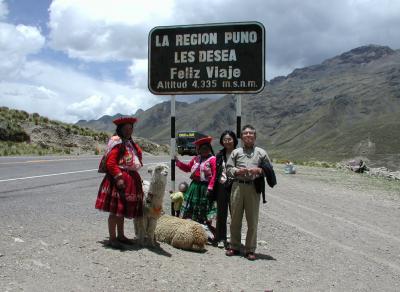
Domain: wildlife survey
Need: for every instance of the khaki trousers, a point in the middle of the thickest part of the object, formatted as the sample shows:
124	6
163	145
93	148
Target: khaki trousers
244	199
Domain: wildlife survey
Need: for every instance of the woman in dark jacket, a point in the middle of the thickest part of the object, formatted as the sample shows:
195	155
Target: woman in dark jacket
222	186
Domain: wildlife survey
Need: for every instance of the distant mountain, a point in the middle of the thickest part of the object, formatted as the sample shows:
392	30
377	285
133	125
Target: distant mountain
102	124
345	107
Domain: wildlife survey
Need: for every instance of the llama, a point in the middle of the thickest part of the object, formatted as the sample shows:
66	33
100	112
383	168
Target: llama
181	233
152	205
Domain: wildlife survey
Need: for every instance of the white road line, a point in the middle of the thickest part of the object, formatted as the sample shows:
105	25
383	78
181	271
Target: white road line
61	173
45	175
47	160
37	160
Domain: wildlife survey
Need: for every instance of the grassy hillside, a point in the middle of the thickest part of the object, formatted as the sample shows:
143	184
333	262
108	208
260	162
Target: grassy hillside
22	133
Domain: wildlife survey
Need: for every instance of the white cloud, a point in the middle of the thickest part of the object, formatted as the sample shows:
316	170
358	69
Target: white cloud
58	90
16	43
3	10
125	11
63	93
106	105
88	107
297	34
102	30
46	93
125	104
138	71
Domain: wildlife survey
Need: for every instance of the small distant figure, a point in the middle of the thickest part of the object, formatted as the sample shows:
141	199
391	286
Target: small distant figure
361	167
177	199
289	168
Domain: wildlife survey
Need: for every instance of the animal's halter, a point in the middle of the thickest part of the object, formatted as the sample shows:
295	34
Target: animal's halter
155	210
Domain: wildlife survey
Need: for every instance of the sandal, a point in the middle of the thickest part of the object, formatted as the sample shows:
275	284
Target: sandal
232	252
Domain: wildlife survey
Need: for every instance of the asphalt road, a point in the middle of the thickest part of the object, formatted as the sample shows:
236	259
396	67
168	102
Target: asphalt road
321	230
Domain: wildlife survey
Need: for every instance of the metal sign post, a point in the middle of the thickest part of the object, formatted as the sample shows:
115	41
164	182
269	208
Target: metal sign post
238	115
172	150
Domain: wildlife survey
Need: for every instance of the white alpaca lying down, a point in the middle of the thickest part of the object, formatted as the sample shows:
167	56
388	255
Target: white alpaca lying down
152	204
181	233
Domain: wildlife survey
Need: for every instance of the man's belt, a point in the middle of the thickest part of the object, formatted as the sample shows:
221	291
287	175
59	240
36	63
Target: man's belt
246	182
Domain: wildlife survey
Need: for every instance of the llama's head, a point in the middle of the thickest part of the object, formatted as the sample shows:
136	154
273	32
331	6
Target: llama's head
159	174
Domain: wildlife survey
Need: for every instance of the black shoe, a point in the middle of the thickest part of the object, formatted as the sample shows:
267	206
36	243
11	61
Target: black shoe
115	244
126	240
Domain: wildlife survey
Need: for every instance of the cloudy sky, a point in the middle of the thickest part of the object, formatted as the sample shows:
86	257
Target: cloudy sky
82	59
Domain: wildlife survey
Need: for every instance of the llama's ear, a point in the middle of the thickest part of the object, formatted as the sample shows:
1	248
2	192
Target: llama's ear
150	170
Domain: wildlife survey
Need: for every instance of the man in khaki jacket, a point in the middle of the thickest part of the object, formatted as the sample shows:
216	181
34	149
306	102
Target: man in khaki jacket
243	166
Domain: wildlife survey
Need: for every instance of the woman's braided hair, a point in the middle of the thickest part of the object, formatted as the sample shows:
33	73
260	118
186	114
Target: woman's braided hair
122	149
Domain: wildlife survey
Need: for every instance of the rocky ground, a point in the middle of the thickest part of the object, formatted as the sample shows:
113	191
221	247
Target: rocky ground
321	230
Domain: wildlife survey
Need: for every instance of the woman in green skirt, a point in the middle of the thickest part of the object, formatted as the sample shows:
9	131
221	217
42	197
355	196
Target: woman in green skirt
199	203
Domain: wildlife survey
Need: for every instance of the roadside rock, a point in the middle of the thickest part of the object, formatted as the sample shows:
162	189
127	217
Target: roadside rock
372	171
58	137
17	239
151	147
384	172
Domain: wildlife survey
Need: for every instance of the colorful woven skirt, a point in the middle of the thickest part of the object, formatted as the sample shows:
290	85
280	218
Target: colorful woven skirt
196	205
109	198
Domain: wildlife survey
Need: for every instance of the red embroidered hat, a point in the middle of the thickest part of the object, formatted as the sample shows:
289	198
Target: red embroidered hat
125	120
205	140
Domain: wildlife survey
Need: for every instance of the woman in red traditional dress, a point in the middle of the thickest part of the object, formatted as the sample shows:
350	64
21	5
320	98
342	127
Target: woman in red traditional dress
121	192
